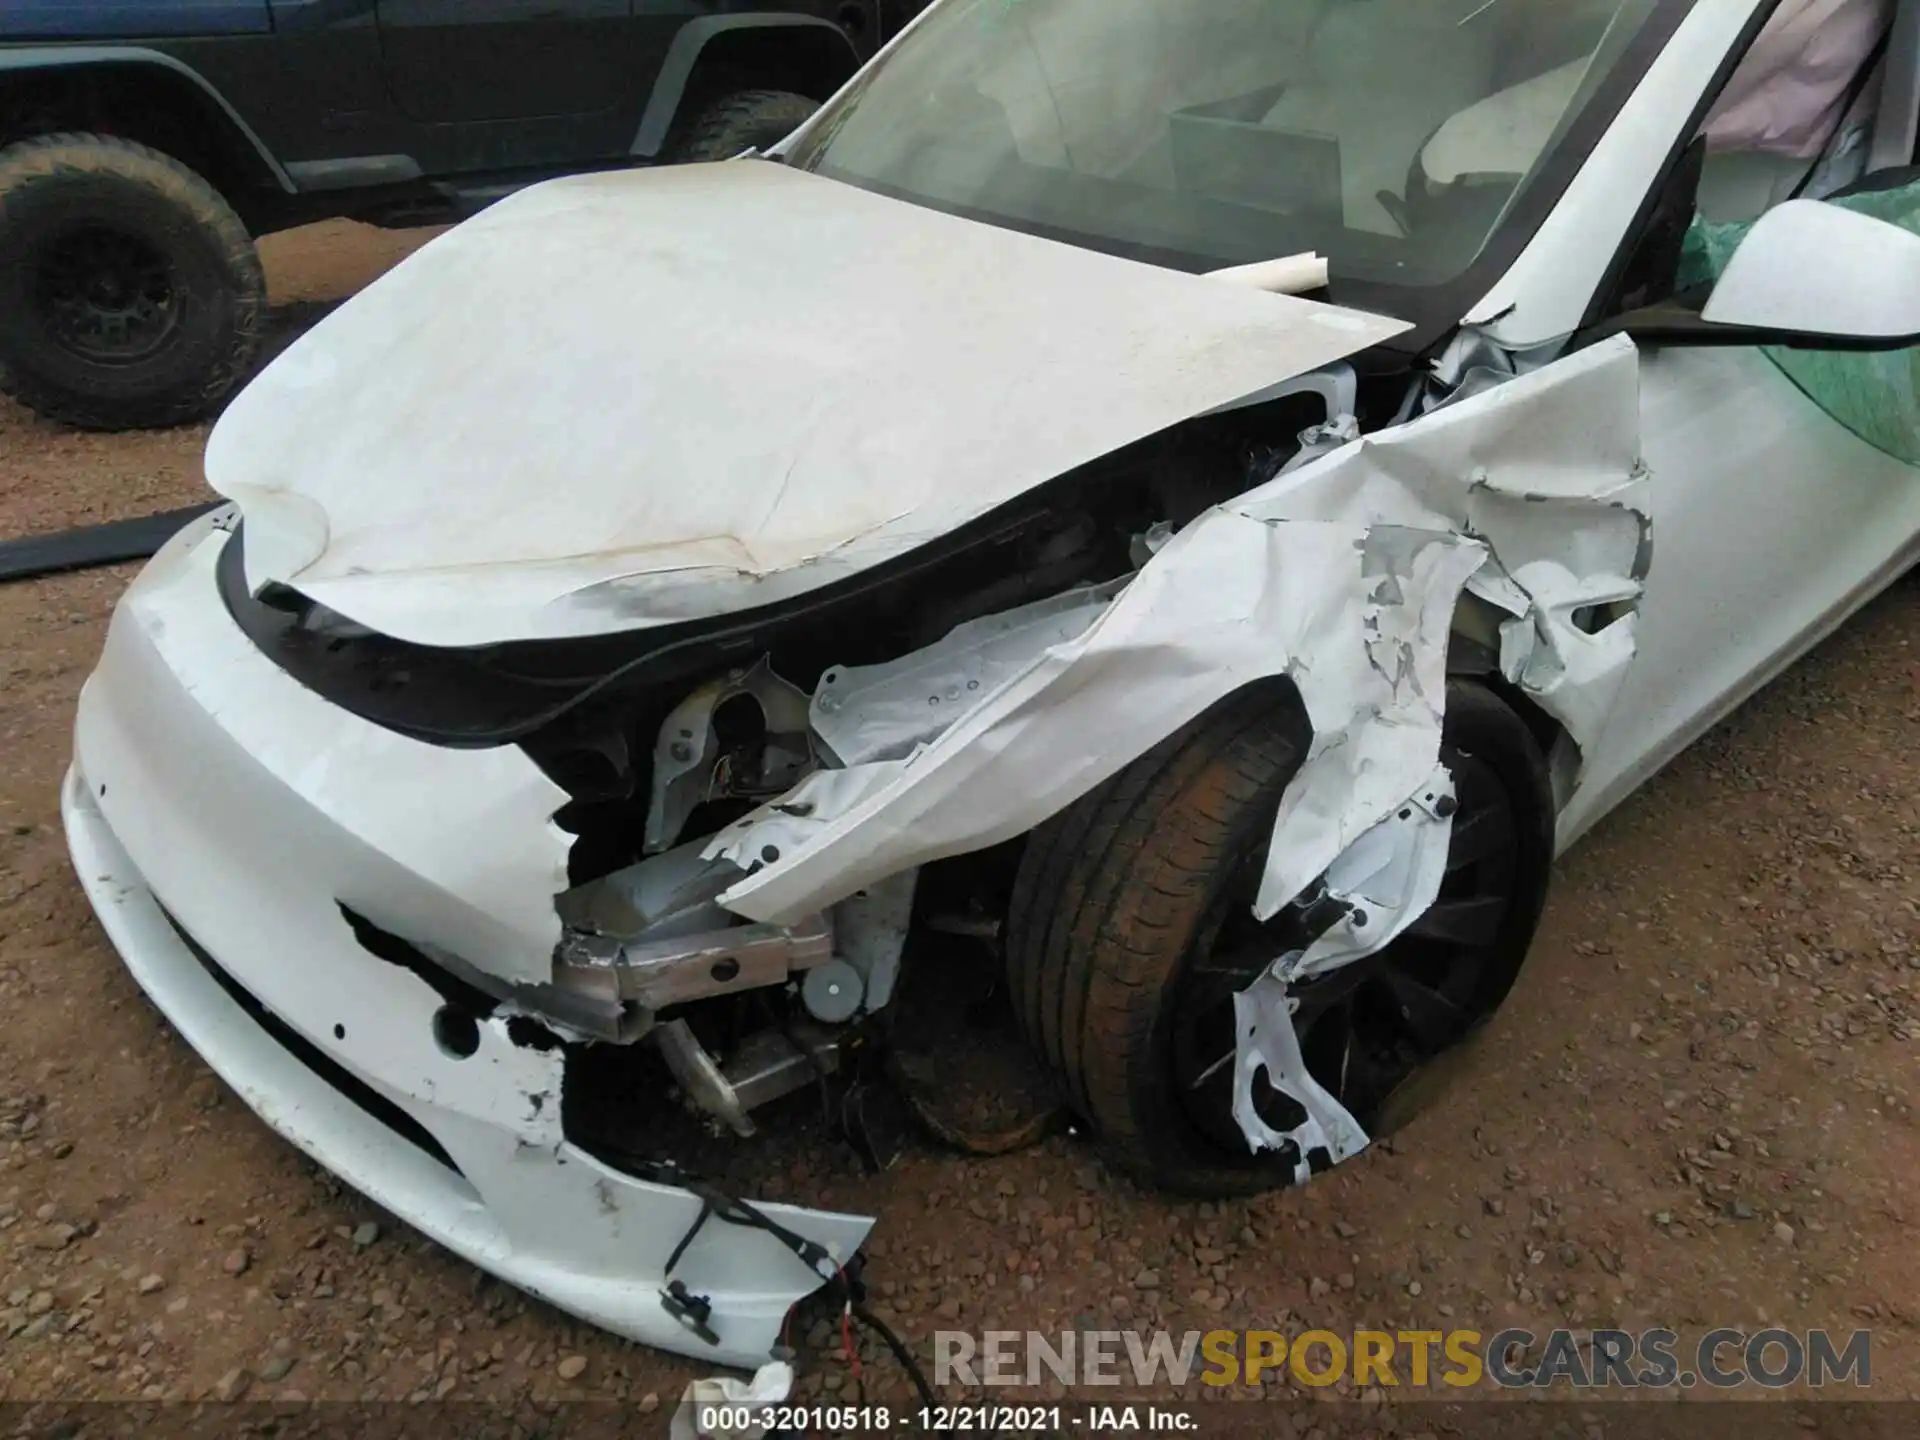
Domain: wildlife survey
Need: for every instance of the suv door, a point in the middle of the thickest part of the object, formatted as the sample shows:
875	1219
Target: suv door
467	60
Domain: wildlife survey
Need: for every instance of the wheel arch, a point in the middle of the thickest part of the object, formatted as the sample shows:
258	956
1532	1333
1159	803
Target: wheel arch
803	53
134	93
1470	659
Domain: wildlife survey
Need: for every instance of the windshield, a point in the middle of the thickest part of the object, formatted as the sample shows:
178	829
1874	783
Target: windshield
1391	136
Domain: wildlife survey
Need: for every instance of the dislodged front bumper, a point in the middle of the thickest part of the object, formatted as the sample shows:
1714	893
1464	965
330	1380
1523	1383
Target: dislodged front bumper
214	825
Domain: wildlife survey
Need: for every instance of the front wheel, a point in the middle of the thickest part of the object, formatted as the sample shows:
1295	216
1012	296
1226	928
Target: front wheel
130	295
1132	920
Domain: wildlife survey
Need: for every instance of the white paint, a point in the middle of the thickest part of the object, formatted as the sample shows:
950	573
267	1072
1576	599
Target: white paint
1267	1052
1818	269
886	712
1344	574
398	465
204	775
475	868
615	401
1390	876
1546	469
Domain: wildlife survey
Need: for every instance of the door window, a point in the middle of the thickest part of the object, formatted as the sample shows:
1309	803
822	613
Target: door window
1798	104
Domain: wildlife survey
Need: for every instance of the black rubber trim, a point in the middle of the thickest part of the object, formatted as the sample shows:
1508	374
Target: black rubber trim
94	545
376	1105
1676	323
1593	323
353	172
491	695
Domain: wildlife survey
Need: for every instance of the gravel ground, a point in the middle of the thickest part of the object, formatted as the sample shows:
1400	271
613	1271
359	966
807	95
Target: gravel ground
1697	1110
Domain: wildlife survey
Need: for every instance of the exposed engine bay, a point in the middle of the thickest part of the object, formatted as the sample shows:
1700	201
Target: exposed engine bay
699	756
1173	666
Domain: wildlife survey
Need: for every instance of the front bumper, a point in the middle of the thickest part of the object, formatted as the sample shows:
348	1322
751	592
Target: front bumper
213	798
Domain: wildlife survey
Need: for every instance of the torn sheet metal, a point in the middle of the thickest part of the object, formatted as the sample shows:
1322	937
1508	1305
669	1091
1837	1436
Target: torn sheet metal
1386	879
1545	469
1343	575
208	783
712	436
886	712
686	757
1268	1053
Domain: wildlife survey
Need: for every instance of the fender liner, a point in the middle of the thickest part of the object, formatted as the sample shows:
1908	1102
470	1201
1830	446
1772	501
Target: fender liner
73	57
671	85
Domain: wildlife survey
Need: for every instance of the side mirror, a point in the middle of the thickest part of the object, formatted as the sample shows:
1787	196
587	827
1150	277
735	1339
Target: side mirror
1809	276
1809	269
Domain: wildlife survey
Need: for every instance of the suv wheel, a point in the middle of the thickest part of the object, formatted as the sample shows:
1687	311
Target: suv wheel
745	120
131	295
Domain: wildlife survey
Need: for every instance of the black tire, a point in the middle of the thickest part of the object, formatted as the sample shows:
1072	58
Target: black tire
744	120
130	293
1122	900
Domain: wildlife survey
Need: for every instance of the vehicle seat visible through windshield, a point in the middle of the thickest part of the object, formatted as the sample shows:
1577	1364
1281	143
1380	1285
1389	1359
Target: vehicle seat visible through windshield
1383	75
1440	90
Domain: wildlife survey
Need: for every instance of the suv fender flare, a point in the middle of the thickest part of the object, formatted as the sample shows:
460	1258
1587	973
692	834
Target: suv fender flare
671	85
73	57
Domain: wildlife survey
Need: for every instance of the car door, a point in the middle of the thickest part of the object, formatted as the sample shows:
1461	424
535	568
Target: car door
454	61
1771	523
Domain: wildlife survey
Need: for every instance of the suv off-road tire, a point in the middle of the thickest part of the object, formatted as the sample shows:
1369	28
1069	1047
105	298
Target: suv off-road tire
1119	896
744	120
131	295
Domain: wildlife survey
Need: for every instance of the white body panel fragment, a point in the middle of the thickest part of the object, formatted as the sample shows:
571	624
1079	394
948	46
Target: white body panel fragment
1344	575
766	381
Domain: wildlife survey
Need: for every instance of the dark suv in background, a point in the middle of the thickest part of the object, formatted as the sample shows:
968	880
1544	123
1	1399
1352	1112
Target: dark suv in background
145	143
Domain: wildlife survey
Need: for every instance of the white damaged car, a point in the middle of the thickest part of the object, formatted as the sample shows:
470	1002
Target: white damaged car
635	602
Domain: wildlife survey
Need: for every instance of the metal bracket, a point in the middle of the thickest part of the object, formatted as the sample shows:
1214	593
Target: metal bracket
767	1065
657	973
686	751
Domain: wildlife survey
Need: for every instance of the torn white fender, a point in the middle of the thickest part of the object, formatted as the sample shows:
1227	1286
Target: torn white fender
1388	878
1546	469
1343	575
1231	600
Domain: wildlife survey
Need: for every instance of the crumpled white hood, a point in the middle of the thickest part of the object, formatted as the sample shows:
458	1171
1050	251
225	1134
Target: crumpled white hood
624	400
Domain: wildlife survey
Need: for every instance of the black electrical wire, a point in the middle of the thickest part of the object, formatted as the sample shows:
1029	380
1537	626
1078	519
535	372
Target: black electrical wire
714	1205
901	1353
